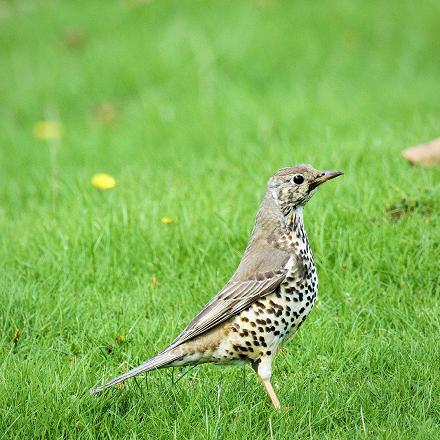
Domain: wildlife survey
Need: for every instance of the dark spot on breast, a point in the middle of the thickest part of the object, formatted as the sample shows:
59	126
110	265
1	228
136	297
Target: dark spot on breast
252	323
248	343
268	352
301	310
276	332
261	338
242	356
260	304
261	329
302	322
244	319
277	306
261	321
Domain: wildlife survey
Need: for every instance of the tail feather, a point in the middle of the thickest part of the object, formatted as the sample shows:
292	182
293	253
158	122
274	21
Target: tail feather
158	361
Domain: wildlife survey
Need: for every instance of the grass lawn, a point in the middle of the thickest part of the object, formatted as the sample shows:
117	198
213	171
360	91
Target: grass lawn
191	106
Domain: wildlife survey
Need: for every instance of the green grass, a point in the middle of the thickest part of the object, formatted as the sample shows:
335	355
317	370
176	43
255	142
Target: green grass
211	98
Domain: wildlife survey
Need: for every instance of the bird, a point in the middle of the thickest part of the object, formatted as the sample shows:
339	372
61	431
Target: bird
268	297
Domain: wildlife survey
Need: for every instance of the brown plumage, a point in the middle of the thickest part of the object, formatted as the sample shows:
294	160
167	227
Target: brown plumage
268	297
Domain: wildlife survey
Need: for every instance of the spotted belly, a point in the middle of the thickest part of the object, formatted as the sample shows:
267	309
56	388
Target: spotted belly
260	329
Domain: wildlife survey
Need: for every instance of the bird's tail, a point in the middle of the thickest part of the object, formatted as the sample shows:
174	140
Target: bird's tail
162	359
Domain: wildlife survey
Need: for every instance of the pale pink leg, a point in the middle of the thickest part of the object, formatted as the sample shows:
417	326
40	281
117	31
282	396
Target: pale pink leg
264	371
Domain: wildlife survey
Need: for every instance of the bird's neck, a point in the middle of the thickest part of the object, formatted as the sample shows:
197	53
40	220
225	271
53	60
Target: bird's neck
295	229
295	218
277	228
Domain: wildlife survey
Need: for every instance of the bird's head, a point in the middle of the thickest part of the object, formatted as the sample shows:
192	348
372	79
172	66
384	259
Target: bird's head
294	186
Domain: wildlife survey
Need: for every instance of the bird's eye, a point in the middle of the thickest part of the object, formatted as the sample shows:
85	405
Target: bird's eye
298	179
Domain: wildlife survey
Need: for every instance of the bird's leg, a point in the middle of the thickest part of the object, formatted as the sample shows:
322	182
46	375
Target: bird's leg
264	371
271	392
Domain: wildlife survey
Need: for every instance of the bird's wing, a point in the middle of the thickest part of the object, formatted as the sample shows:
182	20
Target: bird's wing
243	289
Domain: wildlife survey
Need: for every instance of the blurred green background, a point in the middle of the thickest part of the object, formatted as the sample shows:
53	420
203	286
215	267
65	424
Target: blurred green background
191	106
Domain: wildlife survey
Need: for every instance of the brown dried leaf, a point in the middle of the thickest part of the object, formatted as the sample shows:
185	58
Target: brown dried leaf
424	154
74	39
106	112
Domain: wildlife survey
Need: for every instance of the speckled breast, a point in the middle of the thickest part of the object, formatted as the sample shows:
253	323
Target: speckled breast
259	330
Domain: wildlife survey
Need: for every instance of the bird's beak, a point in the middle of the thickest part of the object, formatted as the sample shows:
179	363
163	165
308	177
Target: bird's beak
323	177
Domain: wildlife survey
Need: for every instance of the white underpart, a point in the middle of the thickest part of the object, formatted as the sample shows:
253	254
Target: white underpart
265	367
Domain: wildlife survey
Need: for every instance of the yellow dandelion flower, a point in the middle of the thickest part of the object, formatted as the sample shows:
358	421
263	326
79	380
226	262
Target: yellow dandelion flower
16	336
120	338
103	181
47	130
167	220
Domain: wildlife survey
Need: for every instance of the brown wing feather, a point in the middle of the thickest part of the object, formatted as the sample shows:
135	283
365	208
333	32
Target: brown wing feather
244	288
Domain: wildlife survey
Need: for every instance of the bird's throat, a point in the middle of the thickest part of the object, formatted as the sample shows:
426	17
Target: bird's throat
295	218
295	232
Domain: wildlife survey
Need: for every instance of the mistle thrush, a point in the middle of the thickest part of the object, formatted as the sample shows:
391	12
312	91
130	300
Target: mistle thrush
269	296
